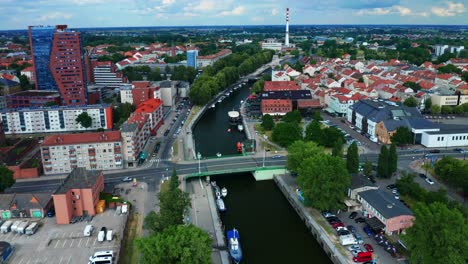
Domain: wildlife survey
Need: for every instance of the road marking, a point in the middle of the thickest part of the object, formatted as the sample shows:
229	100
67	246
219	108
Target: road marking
21	261
79	243
157	164
69	259
64	235
56	244
61	258
87	241
94	241
29	260
71	234
71	244
64	243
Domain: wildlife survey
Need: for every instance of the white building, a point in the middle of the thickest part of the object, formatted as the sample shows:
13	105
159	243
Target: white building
168	93
126	95
209	60
105	75
272	44
279	76
134	137
55	119
62	153
445	138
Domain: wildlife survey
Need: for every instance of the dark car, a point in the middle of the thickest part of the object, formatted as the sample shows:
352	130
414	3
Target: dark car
434	151
360	220
333	219
158	146
391	186
422	175
51	213
166	132
369	248
372	179
352	215
351	228
368	231
343	232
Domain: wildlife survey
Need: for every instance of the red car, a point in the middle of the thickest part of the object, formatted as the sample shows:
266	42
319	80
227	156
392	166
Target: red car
369	248
335	225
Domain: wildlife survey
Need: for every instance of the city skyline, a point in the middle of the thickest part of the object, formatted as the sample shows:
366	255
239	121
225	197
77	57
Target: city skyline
19	14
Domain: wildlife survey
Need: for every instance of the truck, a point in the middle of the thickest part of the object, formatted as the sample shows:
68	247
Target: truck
15	225
101	236
22	227
88	231
32	228
6	227
348	240
363	257
109	235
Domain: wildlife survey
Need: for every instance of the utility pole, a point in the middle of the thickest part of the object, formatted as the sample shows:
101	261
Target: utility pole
264	155
199	158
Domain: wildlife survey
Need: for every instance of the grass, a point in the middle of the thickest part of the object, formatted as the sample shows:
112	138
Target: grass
193	113
175	147
269	146
129	252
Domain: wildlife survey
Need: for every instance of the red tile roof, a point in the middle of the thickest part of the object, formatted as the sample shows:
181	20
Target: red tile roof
213	56
281	86
149	106
82	138
305	103
444	76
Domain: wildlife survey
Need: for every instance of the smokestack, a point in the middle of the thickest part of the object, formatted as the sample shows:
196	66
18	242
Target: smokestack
286	39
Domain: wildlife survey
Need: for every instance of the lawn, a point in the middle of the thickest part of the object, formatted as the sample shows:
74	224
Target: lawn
129	253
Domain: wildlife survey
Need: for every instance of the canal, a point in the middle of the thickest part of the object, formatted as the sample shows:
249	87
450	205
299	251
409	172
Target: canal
211	133
271	231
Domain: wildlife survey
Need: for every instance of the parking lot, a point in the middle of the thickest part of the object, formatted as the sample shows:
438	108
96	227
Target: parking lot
65	244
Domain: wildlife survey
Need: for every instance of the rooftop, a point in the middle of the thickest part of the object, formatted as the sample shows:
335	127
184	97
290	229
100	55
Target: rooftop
31	93
281	86
149	106
385	203
79	178
81	138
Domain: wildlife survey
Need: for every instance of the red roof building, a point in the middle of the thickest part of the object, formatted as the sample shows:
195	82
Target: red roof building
276	106
281	86
152	111
143	91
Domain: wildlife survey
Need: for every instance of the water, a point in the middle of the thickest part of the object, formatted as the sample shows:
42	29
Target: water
270	230
211	132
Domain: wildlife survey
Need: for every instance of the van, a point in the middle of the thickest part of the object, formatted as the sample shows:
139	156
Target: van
101	260
22	227
32	228
109	235
15	225
102	254
6	227
88	231
363	257
101	236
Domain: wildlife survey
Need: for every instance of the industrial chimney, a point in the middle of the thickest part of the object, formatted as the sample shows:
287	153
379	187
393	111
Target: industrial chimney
286	39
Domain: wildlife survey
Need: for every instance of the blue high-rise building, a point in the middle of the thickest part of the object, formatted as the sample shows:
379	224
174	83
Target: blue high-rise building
192	58
41	38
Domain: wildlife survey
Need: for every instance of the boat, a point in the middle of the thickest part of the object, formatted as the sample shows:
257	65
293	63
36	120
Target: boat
218	155
242	101
234	245
213	106
224	192
220	204
217	191
220	100
240	127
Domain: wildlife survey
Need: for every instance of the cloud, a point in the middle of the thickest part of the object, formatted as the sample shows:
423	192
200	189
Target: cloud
168	2
368	4
452	9
398	10
257	19
274	11
240	10
54	15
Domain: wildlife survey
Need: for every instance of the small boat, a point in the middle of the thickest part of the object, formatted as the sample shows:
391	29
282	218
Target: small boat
213	106
224	192
220	204
218	155
240	127
242	101
220	100
234	245
217	191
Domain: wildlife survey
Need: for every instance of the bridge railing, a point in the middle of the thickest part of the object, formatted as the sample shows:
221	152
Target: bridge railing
229	171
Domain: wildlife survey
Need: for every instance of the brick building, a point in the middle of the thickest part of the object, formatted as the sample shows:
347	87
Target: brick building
78	195
32	98
276	106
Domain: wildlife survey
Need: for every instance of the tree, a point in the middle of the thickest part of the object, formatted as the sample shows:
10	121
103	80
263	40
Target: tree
84	120
392	160
181	244
6	178
454	172
155	75
299	151
415	86
435	109
314	131
337	150
449	68
316	116
324	181
448	228
267	122
285	134
352	158
427	104
24	83
330	135
402	136
293	116
411	102
368	168
446	109
382	163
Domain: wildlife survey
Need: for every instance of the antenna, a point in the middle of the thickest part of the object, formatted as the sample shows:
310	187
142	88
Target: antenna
286	39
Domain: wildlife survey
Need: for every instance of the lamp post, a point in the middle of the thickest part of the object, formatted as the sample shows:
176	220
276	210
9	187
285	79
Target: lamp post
264	155
199	158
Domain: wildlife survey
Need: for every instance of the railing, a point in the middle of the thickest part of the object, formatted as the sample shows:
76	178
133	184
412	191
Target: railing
229	171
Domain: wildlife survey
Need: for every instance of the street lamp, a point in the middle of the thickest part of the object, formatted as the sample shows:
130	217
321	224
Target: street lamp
264	155
199	158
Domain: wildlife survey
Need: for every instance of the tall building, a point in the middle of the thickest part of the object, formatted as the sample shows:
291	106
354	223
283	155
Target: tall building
192	58
59	63
104	73
286	39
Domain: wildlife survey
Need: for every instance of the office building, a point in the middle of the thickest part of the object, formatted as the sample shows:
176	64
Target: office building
59	63
192	58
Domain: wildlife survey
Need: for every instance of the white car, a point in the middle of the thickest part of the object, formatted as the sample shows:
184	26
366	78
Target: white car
428	180
354	247
355	252
127	179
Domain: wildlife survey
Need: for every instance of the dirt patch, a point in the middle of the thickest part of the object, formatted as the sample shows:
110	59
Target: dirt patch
129	252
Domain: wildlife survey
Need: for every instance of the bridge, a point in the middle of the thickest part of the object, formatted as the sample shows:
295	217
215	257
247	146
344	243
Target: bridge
260	173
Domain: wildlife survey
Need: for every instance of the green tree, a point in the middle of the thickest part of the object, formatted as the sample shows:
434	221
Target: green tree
392	160
316	116
181	244
24	83
6	178
435	109
415	86
448	228
324	181
330	135
382	163
402	136
285	134
267	122
368	168
411	102
155	75
449	68
293	116
314	132
464	76
446	109
454	172
299	151
337	150
352	158
458	109
427	104
84	119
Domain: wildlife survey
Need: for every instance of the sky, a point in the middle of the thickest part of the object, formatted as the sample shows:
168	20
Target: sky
19	14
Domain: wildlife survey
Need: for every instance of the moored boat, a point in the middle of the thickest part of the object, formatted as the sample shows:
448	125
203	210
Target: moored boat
220	204
224	192
240	127
234	245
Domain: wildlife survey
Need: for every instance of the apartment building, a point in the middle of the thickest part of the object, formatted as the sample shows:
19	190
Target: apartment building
209	60
451	100
104	73
134	137
63	153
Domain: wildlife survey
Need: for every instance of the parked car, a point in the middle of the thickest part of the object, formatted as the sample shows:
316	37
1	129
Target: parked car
428	180
368	231
327	214
351	228
354	247
394	191
333	219
335	225
358	238
360	220
355	252
372	179
391	186
397	196
352	215
422	176
343	233
368	247
434	151
51	213
127	179
276	157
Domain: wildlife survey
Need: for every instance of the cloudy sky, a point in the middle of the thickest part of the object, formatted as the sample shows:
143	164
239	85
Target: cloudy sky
18	14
